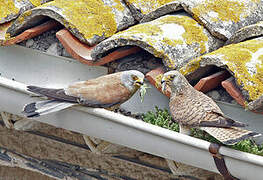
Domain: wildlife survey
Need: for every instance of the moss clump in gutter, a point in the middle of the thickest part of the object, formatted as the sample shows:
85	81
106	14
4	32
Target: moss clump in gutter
244	59
163	119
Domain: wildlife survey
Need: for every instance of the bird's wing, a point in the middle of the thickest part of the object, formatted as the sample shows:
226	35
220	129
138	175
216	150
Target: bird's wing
195	109
105	91
230	136
58	94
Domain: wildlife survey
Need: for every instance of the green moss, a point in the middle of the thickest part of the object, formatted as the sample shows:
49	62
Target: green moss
163	119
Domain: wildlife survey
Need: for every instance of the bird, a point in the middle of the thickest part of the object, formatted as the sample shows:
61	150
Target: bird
193	109
108	91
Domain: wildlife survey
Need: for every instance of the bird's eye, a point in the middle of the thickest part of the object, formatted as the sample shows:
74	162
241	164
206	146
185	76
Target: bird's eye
134	78
172	76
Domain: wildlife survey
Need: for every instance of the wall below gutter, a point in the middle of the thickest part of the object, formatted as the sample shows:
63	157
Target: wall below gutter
105	124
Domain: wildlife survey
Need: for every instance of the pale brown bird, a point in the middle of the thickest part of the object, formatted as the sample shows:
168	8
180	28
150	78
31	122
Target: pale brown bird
103	92
193	109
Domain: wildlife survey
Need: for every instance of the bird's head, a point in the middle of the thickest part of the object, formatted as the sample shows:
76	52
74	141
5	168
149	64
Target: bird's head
174	79
132	79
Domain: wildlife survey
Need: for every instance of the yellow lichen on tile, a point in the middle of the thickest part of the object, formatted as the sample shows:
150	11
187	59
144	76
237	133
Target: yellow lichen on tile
7	7
36	2
154	33
89	17
245	60
222	10
191	66
117	5
149	5
22	17
194	33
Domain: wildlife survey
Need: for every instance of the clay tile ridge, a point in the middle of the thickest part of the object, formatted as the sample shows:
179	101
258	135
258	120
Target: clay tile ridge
82	52
32	32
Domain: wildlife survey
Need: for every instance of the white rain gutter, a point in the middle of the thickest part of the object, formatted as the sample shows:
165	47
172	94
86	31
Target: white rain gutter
108	125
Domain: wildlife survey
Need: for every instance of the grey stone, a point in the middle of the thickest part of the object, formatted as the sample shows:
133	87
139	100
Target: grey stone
256	105
214	95
29	43
53	49
65	53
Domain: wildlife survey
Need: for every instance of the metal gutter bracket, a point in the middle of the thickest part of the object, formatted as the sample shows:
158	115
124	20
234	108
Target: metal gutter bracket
220	162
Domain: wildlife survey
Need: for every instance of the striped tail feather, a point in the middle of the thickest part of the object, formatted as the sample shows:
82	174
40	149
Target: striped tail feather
230	136
40	108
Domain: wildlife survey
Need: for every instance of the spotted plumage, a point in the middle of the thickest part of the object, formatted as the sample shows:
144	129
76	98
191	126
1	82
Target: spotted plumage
193	109
105	92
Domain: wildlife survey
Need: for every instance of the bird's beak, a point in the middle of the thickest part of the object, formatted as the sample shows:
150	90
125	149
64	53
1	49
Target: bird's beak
139	82
163	83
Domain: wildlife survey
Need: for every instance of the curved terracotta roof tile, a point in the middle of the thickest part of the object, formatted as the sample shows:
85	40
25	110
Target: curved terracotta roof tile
11	9
224	17
90	21
144	11
81	51
27	34
244	60
230	86
175	38
155	77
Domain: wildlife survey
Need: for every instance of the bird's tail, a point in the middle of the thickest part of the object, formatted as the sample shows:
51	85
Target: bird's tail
39	108
229	136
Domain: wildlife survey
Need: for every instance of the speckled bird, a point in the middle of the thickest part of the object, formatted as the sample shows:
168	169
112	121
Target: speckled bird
193	109
107	91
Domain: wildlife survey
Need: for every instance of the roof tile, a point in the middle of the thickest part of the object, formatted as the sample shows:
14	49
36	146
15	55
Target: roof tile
224	17
27	34
10	9
81	51
90	21
243	60
175	38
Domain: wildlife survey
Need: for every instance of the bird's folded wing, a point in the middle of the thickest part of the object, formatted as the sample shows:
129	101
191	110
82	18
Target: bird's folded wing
104	92
195	109
230	136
